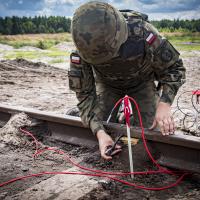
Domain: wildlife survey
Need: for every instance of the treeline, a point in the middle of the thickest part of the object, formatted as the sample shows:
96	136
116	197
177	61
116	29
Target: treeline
38	24
42	24
177	25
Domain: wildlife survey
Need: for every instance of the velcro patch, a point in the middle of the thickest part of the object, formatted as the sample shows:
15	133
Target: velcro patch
151	38
166	55
75	59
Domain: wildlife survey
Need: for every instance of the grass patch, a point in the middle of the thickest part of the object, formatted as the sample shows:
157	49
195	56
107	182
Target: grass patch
42	41
184	41
36	54
22	54
58	60
187	41
186	47
183	37
56	53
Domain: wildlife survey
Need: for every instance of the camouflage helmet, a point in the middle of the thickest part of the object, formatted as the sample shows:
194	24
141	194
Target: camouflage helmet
98	31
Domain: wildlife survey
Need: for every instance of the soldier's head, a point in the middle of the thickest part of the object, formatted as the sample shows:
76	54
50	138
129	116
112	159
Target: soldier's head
98	31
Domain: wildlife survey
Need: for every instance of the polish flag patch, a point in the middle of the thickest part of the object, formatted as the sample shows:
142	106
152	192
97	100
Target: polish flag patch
151	38
197	92
75	59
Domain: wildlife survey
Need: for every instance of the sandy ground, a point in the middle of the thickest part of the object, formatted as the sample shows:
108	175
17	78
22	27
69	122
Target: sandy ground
35	85
192	64
44	87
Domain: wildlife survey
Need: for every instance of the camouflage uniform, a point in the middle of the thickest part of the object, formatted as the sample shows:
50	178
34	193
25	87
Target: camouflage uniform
143	58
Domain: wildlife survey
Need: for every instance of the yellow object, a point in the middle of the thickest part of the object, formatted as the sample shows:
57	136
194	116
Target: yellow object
134	141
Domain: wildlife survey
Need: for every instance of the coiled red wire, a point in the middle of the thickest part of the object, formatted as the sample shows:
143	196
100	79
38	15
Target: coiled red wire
104	174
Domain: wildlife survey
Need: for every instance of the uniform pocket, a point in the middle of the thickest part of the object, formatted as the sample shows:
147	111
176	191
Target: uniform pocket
75	79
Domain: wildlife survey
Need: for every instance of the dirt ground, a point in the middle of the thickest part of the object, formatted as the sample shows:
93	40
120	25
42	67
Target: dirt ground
43	87
35	85
17	160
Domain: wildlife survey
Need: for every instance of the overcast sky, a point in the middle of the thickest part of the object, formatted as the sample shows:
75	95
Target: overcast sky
156	9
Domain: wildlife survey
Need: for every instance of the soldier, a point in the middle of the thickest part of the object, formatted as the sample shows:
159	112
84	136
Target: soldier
121	53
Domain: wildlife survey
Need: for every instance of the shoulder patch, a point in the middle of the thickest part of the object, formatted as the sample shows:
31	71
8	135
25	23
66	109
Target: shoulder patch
166	55
151	38
76	59
135	28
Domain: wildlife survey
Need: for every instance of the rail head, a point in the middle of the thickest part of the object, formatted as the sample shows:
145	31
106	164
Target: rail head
178	138
43	115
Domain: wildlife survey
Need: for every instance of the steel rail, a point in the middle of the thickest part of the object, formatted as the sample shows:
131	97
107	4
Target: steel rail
178	151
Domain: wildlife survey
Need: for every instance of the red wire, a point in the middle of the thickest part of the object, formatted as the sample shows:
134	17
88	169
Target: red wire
143	135
67	158
99	173
34	139
96	175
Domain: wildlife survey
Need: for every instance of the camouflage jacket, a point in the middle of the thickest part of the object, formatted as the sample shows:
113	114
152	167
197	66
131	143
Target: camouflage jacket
143	57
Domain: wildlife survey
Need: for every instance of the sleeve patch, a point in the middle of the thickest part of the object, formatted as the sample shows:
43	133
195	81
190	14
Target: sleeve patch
166	55
151	38
75	59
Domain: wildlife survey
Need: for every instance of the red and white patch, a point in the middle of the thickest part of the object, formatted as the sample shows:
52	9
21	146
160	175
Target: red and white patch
197	92
151	38
76	59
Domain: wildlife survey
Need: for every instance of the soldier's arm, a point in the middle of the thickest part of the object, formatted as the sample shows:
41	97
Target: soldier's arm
81	80
169	71
167	65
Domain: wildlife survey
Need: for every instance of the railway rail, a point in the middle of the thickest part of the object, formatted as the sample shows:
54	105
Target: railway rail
175	151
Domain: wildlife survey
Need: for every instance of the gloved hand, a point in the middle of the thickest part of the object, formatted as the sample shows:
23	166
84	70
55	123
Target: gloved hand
104	142
164	119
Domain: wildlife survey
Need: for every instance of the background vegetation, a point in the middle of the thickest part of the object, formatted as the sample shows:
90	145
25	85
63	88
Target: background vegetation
177	25
42	24
46	33
42	41
38	24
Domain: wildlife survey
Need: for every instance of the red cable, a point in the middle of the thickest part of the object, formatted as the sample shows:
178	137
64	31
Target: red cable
99	173
96	175
143	135
102	174
34	139
67	158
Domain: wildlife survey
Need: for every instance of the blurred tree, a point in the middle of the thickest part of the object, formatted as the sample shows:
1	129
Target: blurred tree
7	26
58	24
37	24
177	24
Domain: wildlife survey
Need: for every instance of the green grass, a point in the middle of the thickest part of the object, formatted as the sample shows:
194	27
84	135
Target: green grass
42	44
54	53
58	60
179	36
42	41
184	41
47	41
186	47
35	54
22	54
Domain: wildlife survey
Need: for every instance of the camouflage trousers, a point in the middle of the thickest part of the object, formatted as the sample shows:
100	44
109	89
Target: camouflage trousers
145	95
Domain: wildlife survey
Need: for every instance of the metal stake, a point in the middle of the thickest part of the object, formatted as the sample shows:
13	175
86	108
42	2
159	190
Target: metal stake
130	151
